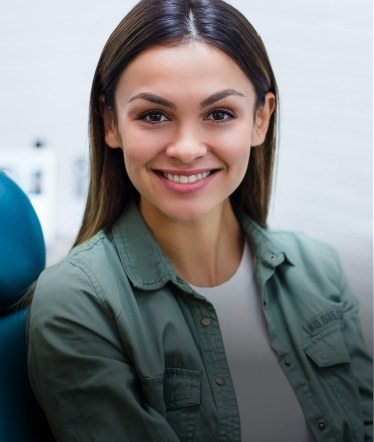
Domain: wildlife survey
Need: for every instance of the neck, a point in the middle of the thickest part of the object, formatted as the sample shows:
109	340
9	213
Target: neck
205	252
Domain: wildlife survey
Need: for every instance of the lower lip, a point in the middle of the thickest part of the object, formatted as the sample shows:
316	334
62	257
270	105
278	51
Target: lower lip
186	187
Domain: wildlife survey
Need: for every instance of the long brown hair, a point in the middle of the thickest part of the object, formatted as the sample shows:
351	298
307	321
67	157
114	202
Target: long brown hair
173	22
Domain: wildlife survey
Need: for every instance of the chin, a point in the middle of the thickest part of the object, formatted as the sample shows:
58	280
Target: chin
183	214
187	211
181	209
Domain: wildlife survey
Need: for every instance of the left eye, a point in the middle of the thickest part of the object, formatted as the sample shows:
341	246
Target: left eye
220	113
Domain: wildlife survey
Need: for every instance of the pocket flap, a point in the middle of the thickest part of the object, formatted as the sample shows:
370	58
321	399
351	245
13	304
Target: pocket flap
328	347
181	387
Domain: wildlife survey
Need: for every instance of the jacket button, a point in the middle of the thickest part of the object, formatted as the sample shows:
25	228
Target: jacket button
220	381
287	362
322	425
265	302
206	321
180	280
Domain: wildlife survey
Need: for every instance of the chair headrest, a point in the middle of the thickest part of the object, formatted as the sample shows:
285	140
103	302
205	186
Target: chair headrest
22	248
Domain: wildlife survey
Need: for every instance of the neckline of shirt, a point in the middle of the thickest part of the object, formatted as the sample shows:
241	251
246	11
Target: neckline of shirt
243	261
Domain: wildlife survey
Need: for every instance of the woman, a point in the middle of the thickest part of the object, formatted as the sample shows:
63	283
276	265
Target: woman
178	315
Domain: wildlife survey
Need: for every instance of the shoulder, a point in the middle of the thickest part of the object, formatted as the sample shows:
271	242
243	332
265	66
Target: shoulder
302	250
93	253
71	306
84	277
301	244
75	270
307	253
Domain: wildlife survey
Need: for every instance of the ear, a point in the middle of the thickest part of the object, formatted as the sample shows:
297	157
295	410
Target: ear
262	120
111	135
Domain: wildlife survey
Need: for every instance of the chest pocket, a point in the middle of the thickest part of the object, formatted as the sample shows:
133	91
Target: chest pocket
176	395
182	391
181	388
338	393
328	347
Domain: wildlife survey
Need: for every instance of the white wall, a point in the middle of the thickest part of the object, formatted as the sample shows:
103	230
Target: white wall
321	52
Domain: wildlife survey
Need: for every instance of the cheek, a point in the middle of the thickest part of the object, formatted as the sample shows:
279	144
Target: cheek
135	135
134	161
236	144
242	159
137	159
236	155
139	147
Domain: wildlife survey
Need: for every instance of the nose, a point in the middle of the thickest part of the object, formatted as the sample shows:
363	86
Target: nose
187	146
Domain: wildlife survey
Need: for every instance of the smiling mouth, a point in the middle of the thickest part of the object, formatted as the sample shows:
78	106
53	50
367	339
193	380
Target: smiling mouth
183	179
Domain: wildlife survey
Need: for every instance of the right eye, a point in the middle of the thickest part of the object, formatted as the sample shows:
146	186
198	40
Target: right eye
154	117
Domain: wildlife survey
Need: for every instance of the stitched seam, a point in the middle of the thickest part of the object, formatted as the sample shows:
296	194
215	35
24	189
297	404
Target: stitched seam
129	266
96	286
125	256
163	263
320	336
336	389
304	392
100	236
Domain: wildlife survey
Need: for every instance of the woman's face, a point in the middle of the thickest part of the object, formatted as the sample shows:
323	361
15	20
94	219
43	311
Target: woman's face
185	124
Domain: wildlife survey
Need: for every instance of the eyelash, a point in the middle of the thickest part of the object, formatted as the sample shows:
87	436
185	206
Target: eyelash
142	117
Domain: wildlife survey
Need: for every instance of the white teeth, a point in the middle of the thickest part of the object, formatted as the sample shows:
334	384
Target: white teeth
186	179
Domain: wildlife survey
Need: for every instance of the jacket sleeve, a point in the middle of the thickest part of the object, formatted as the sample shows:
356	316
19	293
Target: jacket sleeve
361	361
78	369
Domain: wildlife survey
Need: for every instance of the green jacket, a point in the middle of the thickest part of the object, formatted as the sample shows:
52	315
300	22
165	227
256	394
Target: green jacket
122	349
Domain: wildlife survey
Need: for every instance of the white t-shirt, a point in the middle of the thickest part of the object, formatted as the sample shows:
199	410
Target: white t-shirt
269	410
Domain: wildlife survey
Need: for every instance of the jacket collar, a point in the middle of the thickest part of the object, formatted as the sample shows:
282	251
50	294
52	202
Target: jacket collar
148	267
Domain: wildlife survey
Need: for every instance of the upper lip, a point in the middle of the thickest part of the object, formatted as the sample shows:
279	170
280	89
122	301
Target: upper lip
186	172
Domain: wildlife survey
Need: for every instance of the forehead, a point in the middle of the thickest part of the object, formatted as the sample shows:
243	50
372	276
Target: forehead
188	67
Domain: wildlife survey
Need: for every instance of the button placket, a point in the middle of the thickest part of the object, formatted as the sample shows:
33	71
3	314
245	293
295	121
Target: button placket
218	372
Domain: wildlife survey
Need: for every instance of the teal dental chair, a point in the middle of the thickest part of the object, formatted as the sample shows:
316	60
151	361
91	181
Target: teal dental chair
22	258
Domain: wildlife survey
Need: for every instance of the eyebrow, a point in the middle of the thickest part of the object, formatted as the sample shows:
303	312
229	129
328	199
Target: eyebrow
207	102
